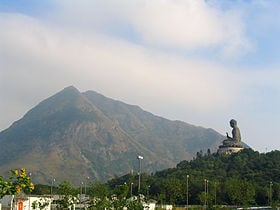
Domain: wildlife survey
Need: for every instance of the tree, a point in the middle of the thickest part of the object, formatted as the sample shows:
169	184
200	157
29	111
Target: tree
121	191
99	190
42	203
100	203
240	192
67	193
41	189
134	205
172	189
17	182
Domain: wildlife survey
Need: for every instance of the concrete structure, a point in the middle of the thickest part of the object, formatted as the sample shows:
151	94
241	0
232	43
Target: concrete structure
6	202
228	150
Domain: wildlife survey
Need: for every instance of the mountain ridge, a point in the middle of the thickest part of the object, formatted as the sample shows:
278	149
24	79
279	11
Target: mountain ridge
73	135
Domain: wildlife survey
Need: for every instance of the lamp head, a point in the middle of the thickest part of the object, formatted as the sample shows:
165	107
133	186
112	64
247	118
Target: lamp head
140	157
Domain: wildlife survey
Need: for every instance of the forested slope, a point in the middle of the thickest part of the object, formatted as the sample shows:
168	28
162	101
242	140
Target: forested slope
244	178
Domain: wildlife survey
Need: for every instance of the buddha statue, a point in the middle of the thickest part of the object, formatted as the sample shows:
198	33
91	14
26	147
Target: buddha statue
235	140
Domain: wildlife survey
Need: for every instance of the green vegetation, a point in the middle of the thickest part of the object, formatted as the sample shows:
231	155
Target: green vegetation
245	178
241	179
100	196
17	182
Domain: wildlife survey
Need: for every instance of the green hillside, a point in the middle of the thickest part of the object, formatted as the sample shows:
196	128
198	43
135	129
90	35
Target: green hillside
244	178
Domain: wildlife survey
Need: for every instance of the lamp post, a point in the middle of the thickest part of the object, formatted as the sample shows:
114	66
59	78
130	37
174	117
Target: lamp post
206	192
139	157
30	174
81	189
187	192
86	185
131	184
215	184
270	193
53	180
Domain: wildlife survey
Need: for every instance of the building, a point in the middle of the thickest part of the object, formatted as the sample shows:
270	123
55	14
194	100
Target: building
25	202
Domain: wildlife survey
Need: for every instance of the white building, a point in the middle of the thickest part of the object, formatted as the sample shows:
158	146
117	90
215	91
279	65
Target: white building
25	202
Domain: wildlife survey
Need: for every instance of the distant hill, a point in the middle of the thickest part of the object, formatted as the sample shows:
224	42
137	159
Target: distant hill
74	135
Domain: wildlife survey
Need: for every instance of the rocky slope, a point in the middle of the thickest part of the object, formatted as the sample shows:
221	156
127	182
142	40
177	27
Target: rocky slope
74	135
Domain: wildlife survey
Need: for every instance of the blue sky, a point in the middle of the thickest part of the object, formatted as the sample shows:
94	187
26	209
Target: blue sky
28	7
202	62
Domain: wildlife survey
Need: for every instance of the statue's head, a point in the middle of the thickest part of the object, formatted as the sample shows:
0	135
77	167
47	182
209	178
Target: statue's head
233	123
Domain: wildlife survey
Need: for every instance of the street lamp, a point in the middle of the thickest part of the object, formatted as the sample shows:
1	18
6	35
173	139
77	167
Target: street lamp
187	192
270	193
53	180
139	157
131	184
207	187
206	192
215	184
81	189
86	185
148	190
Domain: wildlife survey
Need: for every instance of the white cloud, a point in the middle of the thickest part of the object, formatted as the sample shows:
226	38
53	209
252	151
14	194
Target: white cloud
186	25
180	24
41	57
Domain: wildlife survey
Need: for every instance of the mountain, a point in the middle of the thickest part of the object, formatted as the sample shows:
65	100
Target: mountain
73	135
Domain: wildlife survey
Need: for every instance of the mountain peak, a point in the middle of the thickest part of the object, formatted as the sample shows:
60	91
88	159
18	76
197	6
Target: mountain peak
98	137
70	88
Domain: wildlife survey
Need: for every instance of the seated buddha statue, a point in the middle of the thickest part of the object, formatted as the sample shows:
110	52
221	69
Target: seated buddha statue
235	140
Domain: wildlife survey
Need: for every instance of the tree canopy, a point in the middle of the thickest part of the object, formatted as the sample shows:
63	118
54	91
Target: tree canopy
244	178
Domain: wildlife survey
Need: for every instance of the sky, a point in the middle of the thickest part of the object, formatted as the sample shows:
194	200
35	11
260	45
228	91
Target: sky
203	62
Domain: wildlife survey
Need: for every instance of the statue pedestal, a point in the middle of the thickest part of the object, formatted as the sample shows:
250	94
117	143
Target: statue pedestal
226	150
